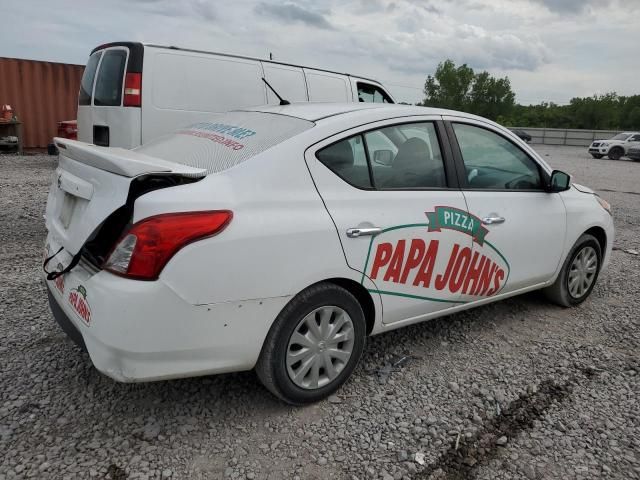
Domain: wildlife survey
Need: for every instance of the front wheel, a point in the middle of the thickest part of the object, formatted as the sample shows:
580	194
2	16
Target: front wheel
579	273
597	156
314	345
615	153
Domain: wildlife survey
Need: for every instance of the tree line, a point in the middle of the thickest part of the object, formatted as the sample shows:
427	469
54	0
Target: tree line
461	88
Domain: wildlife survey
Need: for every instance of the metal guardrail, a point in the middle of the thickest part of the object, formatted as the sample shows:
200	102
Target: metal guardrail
571	137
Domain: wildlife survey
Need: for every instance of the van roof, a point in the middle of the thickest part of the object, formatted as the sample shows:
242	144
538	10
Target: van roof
172	47
314	111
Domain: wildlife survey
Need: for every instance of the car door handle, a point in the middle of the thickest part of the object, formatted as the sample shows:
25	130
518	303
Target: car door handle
361	232
492	220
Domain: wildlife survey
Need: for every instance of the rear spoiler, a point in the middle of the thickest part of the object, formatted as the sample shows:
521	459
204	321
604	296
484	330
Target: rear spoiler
121	161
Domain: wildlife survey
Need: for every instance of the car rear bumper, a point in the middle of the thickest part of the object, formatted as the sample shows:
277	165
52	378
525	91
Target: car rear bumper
137	331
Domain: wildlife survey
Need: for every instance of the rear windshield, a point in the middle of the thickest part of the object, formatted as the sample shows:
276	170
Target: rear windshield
86	84
110	77
226	140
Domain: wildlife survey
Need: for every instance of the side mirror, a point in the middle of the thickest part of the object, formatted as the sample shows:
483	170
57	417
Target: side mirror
559	182
383	157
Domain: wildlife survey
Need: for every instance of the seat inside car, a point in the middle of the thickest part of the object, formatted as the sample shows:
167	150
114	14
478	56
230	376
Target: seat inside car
342	160
415	166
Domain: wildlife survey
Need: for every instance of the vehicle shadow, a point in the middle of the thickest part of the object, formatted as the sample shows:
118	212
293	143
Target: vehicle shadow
223	398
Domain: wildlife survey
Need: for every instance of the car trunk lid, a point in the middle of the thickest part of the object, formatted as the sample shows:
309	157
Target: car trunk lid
91	183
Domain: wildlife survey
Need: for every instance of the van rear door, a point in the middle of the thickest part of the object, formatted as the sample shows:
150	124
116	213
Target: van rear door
109	101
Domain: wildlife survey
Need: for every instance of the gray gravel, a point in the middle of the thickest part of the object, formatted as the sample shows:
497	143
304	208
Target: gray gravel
517	389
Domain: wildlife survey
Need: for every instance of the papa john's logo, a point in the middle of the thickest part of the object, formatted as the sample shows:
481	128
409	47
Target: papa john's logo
78	300
59	281
436	261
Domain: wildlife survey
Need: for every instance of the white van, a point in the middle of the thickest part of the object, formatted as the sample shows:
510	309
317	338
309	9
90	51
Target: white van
133	92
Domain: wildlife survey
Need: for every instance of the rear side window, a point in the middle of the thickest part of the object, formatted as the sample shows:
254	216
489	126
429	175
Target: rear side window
226	140
405	156
86	84
348	160
110	77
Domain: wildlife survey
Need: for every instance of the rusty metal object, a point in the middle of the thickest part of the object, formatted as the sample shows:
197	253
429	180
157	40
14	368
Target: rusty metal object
41	95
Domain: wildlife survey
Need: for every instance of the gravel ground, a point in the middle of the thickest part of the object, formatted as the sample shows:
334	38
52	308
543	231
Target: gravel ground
517	389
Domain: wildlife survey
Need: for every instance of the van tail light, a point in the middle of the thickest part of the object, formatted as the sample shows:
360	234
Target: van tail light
144	250
132	90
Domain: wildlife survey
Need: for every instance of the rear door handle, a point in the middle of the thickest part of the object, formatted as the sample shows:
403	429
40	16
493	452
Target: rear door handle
361	232
492	220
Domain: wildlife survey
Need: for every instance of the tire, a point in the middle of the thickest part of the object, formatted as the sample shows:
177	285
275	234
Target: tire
615	153
597	156
560	291
276	365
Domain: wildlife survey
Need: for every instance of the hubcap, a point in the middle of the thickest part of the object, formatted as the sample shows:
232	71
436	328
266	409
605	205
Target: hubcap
320	347
582	272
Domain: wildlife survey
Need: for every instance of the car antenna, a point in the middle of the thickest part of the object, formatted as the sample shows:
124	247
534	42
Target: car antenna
282	100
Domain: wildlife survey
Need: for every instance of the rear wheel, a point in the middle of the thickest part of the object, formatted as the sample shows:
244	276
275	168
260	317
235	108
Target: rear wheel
615	153
314	345
579	273
597	156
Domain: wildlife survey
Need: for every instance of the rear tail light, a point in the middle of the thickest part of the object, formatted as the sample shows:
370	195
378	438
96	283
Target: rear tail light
148	245
132	90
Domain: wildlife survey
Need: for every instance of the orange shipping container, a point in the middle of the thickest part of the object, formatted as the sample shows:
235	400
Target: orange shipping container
41	95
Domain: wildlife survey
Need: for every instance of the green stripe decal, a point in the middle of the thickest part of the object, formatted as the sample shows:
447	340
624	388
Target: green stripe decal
418	297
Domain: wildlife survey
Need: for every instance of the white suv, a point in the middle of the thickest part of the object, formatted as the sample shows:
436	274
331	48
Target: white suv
615	147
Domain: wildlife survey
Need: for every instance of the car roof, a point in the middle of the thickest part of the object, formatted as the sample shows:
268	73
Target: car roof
315	111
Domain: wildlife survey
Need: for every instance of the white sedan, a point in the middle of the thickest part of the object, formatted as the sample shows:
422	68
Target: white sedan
279	238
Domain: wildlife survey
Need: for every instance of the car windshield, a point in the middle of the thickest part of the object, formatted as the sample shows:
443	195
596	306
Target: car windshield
621	136
226	140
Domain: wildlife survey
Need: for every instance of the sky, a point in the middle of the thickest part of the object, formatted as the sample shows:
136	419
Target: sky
551	50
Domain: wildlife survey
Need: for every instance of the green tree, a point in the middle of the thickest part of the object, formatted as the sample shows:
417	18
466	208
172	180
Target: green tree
460	88
449	87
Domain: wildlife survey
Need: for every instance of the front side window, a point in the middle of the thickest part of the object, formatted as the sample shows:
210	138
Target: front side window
372	94
398	157
635	138
110	77
621	136
493	162
86	84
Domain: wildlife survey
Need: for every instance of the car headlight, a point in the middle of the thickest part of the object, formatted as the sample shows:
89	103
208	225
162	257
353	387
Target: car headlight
604	204
604	144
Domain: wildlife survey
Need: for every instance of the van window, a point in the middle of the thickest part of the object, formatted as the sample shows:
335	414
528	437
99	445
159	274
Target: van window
110	77
86	84
372	94
226	140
